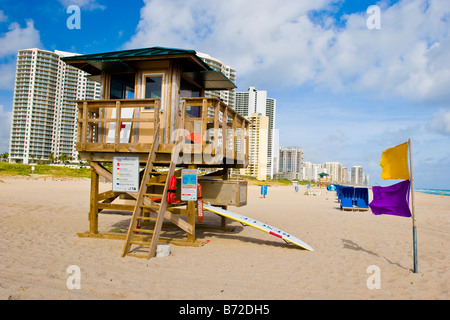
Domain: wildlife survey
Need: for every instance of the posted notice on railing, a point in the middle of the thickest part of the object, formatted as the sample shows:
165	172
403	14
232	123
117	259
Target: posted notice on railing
189	185
125	174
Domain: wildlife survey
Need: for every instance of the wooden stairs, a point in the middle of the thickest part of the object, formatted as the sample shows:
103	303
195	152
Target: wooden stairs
154	184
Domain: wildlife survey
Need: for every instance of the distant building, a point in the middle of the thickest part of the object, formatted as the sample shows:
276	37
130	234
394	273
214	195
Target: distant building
44	118
227	96
256	101
311	171
276	147
290	163
357	175
336	173
344	175
258	140
366	180
334	169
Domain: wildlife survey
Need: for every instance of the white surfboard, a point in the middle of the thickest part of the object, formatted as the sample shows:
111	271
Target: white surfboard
125	127
259	225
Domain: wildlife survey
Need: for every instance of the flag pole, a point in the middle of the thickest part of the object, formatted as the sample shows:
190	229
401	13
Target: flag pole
412	210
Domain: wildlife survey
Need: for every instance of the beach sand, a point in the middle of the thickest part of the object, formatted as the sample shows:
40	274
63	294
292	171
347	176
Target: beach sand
41	216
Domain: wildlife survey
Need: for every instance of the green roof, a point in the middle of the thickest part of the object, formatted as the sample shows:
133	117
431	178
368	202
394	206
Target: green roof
121	61
134	53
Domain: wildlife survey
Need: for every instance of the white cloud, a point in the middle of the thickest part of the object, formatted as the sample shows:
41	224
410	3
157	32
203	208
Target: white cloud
14	39
273	45
19	38
406	57
440	122
254	36
84	4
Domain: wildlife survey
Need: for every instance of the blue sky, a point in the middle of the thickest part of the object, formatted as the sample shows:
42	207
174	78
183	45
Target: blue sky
344	92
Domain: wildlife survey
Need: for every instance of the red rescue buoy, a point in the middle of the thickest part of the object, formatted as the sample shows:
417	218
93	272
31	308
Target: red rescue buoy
172	188
199	203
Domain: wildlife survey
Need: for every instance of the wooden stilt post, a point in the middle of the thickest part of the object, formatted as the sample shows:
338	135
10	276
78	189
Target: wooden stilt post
191	220
93	212
223	220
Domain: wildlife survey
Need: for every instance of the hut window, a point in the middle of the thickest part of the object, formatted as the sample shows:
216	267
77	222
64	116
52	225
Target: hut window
153	87
188	90
122	86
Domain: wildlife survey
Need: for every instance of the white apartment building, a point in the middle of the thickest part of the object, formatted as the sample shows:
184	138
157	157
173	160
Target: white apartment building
357	177
44	118
366	180
336	172
344	175
276	147
311	171
256	101
334	169
229	97
291	163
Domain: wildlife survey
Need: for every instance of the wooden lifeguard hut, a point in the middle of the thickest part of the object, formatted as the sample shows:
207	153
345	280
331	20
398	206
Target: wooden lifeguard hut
153	111
324	179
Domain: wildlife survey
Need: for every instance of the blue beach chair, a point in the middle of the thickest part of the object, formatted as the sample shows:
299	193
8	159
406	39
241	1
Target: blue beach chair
362	198
339	192
347	195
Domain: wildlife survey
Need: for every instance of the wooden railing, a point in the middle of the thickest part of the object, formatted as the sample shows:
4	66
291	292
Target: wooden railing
216	130
212	130
100	124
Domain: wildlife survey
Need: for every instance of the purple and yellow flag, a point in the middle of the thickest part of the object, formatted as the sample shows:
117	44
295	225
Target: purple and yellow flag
394	163
392	200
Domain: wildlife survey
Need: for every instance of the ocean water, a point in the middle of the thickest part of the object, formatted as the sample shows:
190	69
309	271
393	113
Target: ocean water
433	191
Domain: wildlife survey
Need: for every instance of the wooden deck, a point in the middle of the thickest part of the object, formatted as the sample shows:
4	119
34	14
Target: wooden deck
214	135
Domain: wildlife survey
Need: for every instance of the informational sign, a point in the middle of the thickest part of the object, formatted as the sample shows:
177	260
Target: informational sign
125	174
189	185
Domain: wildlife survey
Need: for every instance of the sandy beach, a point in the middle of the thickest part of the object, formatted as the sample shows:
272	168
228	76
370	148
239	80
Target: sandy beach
41	216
